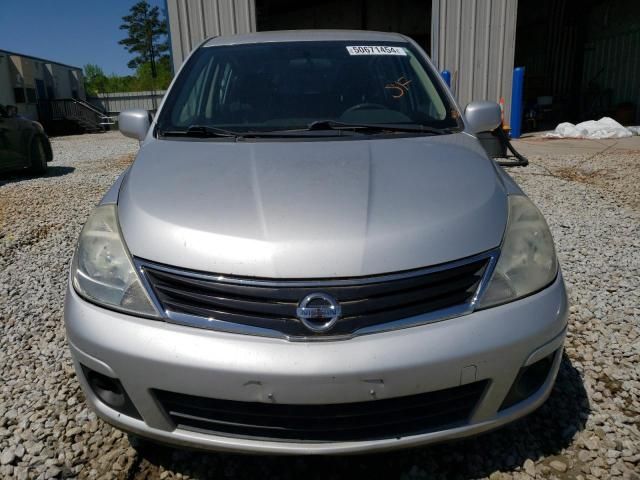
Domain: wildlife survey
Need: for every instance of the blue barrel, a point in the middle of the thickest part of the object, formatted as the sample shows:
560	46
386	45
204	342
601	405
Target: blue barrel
517	92
446	75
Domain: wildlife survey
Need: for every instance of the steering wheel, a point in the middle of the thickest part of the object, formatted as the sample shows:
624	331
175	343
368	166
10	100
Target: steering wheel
365	106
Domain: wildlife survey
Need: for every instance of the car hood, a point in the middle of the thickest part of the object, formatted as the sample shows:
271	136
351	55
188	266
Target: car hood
312	209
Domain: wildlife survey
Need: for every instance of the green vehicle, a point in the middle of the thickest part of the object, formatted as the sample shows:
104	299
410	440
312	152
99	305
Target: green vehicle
23	143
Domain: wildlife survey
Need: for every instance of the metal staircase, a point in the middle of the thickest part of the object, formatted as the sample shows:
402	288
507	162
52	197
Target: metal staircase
71	115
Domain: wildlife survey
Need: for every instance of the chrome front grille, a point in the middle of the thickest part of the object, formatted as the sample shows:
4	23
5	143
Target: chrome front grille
268	307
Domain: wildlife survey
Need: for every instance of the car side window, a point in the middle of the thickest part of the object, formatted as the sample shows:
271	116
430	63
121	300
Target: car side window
223	91
191	97
400	78
217	91
205	97
431	103
211	101
396	82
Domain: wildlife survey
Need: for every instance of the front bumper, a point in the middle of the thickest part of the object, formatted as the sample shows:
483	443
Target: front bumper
492	344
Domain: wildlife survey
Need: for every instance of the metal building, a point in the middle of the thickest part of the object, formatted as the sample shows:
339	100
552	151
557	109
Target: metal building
577	66
192	21
474	39
25	80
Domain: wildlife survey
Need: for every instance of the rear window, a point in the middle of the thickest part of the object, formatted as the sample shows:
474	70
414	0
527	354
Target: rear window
275	86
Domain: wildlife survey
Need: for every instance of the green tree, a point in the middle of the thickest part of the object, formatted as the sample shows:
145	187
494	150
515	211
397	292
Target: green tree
146	36
117	83
145	81
95	81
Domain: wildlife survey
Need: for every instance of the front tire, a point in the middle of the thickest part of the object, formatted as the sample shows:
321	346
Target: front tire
38	156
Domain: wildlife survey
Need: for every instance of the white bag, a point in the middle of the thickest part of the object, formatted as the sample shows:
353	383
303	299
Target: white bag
594	129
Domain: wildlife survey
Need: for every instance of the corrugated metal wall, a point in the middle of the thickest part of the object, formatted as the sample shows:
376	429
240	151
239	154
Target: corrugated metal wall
475	41
191	21
613	63
549	43
114	103
562	49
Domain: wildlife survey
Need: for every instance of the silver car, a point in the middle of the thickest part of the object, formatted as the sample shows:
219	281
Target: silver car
312	254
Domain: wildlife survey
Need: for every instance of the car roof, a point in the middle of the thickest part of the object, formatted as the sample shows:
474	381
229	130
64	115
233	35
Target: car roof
305	36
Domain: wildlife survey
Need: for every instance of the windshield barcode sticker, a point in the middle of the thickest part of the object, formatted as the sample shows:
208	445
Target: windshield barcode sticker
375	50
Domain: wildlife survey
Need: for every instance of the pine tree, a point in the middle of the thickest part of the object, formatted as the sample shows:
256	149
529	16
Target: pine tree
146	36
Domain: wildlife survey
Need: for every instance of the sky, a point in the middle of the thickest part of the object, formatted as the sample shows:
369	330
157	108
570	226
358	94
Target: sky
75	32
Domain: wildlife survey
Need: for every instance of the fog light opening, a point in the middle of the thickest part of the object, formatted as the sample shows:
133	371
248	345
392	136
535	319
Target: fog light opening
108	389
110	392
529	380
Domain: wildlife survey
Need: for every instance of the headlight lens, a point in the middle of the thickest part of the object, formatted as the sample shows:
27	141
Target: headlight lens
527	260
102	270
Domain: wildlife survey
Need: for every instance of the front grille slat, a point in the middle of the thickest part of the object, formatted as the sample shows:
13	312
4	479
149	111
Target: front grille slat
271	304
286	293
230	290
233	304
368	420
226	315
348	324
421	295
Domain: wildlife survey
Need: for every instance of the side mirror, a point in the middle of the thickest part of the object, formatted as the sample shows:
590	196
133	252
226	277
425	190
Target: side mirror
134	123
482	116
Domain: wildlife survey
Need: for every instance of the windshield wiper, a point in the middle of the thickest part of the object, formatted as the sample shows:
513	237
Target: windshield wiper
375	127
204	131
207	131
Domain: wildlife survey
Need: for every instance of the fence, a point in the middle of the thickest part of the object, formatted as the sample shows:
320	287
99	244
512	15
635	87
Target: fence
114	103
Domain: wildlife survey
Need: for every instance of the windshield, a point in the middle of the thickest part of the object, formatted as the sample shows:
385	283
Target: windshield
286	86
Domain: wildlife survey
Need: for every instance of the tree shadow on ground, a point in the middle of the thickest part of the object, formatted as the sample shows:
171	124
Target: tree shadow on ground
544	432
19	176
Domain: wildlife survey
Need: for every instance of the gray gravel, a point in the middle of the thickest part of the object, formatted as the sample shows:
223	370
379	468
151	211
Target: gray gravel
588	429
46	430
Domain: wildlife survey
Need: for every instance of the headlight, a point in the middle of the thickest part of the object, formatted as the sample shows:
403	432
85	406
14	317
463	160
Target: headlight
102	270
527	260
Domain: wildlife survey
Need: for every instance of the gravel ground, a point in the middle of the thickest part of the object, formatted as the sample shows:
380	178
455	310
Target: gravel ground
588	429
